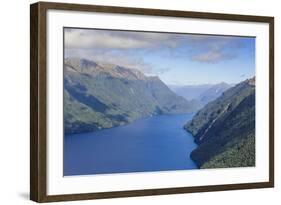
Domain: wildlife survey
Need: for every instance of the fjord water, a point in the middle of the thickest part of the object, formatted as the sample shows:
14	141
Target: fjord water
157	143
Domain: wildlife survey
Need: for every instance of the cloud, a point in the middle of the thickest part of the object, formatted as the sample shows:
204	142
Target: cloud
85	39
213	49
212	56
130	48
118	47
107	39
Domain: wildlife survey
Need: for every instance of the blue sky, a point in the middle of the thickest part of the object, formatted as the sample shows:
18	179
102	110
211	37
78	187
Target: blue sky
178	59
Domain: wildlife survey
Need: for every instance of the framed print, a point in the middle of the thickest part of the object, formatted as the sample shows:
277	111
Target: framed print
134	102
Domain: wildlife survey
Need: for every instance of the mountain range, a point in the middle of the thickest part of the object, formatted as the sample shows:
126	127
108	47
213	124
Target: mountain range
99	95
224	129
201	94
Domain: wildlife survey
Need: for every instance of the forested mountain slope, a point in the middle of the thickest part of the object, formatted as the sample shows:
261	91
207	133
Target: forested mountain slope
225	129
98	96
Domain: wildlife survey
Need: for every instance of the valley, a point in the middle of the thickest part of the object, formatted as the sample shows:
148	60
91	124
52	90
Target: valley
99	96
201	94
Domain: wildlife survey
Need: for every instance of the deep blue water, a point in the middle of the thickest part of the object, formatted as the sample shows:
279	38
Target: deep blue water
158	143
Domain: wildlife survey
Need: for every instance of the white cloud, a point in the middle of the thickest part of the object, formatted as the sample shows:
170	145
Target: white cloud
118	47
212	56
105	39
213	49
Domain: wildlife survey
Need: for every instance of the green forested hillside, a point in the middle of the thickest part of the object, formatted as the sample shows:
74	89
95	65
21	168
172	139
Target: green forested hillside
225	129
241	154
100	96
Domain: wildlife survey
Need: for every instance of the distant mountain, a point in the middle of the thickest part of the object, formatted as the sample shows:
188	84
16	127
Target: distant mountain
201	94
213	92
190	92
225	129
98	96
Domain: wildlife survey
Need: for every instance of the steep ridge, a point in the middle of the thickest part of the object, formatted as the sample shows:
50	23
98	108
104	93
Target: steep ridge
225	129
98	96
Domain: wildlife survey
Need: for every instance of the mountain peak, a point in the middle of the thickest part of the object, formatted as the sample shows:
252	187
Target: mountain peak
80	62
154	78
222	84
130	73
91	67
87	63
81	65
252	81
